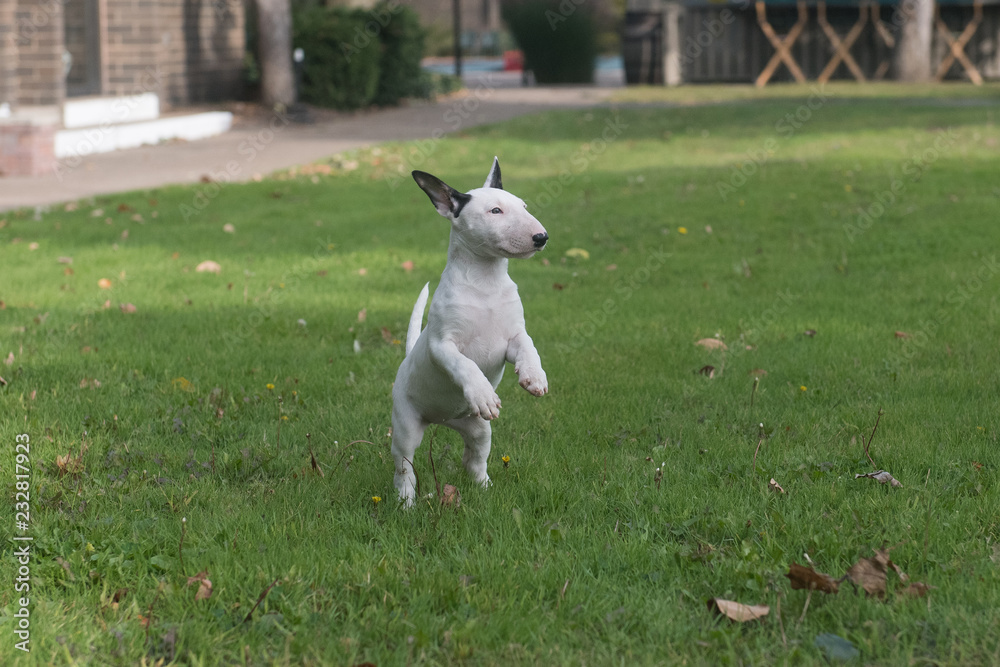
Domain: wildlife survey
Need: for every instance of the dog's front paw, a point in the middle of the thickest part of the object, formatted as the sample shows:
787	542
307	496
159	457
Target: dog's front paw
534	381
483	402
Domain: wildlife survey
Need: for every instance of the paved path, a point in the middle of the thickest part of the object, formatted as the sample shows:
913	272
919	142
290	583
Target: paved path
261	145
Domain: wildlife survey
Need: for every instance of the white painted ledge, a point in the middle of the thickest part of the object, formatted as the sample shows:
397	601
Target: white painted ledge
98	111
106	138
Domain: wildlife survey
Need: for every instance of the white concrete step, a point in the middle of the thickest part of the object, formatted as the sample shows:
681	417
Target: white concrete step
96	111
104	138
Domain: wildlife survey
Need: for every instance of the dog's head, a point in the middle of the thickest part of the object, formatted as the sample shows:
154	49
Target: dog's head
489	221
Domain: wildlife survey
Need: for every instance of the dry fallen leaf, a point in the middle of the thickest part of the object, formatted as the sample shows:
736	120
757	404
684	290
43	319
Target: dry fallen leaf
127	308
208	266
802	577
880	476
870	573
450	497
407	266
758	372
903	334
104	283
809	332
204	585
774	486
228	228
386	335
711	344
362	315
65	260
9	360
578	253
736	611
183	384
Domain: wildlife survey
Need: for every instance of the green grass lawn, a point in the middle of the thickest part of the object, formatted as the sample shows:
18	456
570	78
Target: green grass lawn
176	439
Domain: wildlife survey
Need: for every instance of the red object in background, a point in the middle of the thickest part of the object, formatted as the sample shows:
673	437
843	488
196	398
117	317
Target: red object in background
513	61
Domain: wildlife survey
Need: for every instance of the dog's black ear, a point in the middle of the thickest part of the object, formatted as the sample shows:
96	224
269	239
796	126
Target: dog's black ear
448	201
493	180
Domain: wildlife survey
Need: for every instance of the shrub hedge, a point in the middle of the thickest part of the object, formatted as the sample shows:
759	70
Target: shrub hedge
355	57
558	37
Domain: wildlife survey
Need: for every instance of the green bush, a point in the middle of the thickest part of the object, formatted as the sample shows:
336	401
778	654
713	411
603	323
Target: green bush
354	57
402	38
341	68
558	38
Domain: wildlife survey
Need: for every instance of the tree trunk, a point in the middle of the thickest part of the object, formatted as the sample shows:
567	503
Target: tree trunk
913	56
274	27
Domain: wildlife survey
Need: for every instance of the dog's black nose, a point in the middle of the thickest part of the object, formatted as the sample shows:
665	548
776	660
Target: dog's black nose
540	239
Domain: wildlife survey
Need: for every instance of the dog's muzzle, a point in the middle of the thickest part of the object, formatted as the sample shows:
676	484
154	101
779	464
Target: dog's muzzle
540	239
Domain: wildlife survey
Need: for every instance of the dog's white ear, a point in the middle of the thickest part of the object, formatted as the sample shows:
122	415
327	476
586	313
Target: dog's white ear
493	180
448	201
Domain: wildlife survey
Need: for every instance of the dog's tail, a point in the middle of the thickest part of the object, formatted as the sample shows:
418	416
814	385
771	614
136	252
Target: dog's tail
416	319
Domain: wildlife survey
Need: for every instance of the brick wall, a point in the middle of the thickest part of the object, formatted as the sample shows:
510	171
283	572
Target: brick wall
8	55
38	41
26	149
188	51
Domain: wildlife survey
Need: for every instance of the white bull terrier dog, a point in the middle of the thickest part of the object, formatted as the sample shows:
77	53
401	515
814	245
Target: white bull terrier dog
476	325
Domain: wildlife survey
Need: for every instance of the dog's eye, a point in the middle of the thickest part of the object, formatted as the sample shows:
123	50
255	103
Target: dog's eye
496	211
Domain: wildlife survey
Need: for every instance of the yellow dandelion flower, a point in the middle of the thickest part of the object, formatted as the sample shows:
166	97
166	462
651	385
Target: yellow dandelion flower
682	230
376	499
506	461
270	386
802	388
284	417
848	188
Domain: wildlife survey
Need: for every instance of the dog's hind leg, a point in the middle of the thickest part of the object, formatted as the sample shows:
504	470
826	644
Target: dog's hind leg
407	432
477	433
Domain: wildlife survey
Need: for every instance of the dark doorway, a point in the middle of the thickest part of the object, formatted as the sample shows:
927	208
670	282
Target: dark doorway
83	47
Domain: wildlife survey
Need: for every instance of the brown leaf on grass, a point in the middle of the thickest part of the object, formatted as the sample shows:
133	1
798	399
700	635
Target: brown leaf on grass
104	283
881	476
916	589
707	370
774	486
758	372
143	620
208	266
125	208
362	315
9	361
450	496
558	287
69	464
3	383
712	344
903	334
407	265
809	332
387	335
91	383
806	578
119	595
870	573
65	260
127	308
204	585
735	611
